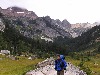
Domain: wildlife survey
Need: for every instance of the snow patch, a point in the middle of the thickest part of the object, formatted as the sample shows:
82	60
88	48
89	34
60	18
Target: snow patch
20	12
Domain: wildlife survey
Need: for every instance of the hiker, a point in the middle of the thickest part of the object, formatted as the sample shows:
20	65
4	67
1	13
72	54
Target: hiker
60	64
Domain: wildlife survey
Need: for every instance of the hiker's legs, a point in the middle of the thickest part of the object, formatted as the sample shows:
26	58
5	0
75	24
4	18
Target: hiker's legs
62	72
58	72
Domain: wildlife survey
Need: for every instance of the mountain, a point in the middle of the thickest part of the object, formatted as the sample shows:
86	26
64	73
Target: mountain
79	28
87	40
64	24
30	25
24	35
17	12
11	39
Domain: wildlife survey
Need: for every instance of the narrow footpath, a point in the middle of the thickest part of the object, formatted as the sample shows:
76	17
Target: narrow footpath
46	67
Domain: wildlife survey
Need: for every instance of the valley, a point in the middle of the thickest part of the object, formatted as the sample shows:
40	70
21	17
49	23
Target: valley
22	32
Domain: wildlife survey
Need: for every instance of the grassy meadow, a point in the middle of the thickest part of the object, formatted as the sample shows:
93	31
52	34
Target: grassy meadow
21	66
93	64
16	67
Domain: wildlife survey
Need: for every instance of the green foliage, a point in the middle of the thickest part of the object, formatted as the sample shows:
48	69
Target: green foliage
85	69
81	64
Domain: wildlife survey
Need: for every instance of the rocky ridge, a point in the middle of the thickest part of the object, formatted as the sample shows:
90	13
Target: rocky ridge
30	25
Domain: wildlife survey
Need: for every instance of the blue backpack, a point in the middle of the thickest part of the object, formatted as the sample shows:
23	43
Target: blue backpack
63	58
60	64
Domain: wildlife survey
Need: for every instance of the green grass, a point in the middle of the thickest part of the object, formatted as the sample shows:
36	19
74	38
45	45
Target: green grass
91	64
21	66
16	67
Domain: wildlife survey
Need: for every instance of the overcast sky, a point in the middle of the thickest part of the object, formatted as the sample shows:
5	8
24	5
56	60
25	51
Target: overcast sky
75	11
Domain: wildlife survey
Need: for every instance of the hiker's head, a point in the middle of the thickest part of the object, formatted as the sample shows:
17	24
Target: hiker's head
58	56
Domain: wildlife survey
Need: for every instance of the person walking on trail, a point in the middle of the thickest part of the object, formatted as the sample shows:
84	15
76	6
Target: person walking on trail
60	64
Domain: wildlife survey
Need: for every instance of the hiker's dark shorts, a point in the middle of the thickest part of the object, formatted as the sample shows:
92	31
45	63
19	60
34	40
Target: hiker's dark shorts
60	72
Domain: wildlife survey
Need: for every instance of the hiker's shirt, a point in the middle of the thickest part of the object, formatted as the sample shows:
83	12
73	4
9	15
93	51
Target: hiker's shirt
59	65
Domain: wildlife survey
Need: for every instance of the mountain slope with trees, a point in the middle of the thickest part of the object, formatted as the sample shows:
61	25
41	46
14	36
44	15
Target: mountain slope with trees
17	43
87	40
12	40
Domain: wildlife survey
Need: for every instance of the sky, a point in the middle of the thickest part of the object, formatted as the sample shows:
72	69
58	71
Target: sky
75	11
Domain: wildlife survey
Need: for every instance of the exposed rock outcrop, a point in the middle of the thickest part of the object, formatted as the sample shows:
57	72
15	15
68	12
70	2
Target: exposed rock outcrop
2	26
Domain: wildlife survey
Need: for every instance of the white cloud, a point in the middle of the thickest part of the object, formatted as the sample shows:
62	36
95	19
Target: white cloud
73	10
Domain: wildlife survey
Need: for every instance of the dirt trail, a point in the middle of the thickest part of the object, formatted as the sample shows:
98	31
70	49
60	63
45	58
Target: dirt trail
46	67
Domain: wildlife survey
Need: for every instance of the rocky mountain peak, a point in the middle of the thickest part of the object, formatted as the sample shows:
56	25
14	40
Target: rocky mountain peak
58	21
47	18
44	26
66	24
17	12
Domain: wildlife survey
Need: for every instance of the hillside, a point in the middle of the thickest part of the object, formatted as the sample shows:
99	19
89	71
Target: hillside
11	39
87	39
